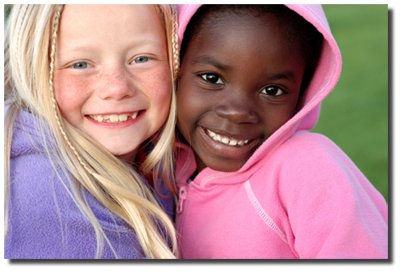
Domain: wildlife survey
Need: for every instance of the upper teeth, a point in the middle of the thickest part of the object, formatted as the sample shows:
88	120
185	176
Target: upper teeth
226	140
114	118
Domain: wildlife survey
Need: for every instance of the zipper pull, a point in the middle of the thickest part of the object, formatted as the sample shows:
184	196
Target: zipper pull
182	197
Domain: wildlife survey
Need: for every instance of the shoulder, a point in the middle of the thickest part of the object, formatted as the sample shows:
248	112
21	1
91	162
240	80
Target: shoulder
327	199
311	154
311	170
305	142
312	158
46	222
30	135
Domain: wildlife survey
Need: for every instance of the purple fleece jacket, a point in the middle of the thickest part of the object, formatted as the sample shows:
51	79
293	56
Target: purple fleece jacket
44	222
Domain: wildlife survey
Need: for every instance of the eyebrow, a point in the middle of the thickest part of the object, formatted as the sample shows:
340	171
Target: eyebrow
204	59
288	75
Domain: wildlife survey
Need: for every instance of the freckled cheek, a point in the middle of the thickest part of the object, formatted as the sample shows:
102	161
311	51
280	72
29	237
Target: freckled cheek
71	92
157	84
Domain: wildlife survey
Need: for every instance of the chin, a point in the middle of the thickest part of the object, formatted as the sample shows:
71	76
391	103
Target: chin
127	157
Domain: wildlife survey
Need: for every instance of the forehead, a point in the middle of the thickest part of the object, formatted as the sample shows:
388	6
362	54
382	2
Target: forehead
110	21
262	37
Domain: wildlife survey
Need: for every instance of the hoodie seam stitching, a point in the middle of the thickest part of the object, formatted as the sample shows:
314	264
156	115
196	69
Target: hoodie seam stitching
262	214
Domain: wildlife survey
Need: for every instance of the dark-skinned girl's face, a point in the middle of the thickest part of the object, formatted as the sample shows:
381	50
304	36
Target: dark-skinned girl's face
240	82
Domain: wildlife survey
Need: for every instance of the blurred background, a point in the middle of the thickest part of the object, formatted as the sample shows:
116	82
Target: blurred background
355	114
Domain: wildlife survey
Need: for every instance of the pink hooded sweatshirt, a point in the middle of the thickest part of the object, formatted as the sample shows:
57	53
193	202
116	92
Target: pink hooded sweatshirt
298	195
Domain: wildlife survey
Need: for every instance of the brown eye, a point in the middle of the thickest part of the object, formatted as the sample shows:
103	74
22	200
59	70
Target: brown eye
272	91
212	78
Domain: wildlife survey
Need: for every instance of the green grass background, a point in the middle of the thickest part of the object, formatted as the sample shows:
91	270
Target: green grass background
355	114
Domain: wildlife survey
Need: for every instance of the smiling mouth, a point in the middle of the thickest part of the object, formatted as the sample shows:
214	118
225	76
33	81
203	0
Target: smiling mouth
114	118
227	140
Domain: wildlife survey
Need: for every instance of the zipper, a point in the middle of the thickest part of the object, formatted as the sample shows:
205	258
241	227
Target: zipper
182	197
183	190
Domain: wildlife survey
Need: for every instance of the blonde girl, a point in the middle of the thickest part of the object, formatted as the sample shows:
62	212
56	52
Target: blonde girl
89	111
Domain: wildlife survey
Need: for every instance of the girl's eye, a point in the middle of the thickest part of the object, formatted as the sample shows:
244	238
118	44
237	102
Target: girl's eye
80	65
272	91
212	78
141	59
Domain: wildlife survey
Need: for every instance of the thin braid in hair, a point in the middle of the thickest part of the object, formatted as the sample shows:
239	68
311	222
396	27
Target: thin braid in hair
20	20
175	46
53	99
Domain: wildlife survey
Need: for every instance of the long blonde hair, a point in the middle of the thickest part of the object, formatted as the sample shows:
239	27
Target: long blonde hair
28	71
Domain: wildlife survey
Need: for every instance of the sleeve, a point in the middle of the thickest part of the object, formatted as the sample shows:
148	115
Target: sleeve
334	211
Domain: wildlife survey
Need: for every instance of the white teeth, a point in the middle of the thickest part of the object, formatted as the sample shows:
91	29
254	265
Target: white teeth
232	142
122	117
113	118
226	140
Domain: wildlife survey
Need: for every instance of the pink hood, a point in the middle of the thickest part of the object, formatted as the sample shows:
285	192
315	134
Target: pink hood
324	80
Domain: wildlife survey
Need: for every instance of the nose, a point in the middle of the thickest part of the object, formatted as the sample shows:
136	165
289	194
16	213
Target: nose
237	109
115	83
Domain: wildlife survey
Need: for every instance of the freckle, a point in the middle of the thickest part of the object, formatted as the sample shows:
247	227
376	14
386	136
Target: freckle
69	88
157	82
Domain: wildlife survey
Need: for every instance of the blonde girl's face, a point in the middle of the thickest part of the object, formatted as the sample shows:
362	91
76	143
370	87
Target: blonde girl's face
112	78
